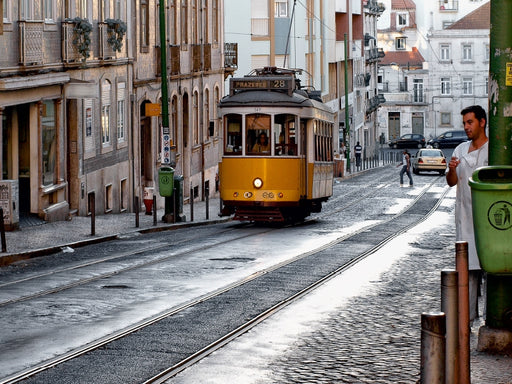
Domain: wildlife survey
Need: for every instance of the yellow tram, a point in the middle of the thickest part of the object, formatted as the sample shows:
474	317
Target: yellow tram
277	163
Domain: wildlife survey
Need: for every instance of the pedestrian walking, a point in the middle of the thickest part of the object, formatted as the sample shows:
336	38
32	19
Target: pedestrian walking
358	150
465	159
406	167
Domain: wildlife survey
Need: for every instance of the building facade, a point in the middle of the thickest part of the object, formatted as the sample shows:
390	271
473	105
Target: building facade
79	80
323	38
437	57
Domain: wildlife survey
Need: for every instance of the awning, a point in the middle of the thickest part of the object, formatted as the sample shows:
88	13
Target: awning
80	89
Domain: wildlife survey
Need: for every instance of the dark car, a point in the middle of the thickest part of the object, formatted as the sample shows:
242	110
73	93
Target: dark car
409	140
448	139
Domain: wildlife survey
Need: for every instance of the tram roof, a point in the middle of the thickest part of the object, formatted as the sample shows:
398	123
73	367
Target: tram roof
271	98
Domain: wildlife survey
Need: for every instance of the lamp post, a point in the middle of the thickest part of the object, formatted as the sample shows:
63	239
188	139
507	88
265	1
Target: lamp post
165	176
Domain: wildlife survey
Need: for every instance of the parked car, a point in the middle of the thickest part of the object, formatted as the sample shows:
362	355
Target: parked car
448	139
429	159
409	140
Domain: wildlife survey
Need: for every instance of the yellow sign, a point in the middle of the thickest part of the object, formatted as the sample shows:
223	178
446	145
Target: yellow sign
153	109
508	81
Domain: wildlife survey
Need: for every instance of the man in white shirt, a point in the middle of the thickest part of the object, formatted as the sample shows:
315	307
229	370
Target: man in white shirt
465	159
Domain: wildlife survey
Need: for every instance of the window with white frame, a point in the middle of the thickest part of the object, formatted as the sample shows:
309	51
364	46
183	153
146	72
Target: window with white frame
402	19
26	9
487	52
281	8
400	43
467	52
418	91
7	11
446	86
486	90
105	111
49	11
118	10
446	118
467	85
445	52
83	9
121	111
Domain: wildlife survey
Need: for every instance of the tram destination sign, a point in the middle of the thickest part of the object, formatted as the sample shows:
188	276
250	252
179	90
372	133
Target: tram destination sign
274	83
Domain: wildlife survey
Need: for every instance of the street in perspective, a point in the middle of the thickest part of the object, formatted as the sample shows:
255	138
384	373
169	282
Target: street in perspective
166	295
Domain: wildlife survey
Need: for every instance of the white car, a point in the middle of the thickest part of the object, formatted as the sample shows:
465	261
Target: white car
429	159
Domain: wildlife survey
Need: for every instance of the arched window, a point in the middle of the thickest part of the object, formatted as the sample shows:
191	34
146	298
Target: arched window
195	117
106	87
206	114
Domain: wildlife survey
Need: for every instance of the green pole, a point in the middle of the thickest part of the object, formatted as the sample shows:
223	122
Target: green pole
499	292
347	127
163	68
500	84
166	142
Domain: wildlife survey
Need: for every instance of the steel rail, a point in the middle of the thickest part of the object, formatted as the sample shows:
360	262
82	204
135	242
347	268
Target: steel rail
194	358
242	329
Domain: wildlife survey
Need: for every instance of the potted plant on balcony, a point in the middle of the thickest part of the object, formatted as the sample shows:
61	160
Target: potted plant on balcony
82	29
116	32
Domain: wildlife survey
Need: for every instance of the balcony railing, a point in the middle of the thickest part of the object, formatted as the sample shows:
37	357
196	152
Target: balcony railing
106	50
231	55
31	42
70	53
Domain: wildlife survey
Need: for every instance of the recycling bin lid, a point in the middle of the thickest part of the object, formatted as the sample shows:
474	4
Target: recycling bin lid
494	177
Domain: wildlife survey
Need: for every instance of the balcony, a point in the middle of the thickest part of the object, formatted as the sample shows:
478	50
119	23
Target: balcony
231	55
31	42
106	50
70	53
174	51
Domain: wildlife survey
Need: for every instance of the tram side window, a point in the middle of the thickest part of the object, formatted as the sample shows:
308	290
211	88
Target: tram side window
233	142
284	131
258	134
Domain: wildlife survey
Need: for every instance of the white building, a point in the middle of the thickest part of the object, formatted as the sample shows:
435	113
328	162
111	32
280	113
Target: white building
459	69
436	63
311	36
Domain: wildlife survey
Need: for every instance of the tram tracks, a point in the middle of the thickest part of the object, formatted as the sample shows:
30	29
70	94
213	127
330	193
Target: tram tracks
352	198
225	338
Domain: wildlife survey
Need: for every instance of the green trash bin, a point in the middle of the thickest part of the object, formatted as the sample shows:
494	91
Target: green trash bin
166	181
491	191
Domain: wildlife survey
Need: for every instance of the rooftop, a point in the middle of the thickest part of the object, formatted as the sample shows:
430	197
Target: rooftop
480	18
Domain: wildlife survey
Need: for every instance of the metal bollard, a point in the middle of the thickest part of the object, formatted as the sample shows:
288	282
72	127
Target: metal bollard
207	198
2	230
450	306
433	344
154	210
92	208
461	262
136	206
191	204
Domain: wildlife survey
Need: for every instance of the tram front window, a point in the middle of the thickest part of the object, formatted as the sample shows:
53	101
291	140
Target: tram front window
233	142
258	138
284	128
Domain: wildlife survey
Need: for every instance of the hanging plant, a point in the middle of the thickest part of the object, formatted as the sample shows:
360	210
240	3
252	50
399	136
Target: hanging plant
82	37
116	32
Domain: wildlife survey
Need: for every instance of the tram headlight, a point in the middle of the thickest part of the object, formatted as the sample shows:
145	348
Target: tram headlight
257	182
